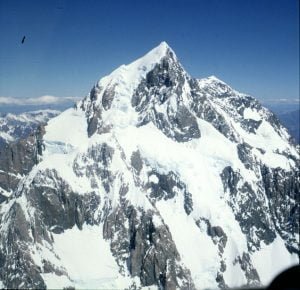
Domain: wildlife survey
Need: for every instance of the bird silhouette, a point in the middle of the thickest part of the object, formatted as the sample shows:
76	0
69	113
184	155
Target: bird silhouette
23	39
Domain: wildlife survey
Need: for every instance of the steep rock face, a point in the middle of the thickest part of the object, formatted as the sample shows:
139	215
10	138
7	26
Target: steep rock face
47	206
282	189
250	209
205	110
160	98
155	180
142	250
20	146
18	269
18	158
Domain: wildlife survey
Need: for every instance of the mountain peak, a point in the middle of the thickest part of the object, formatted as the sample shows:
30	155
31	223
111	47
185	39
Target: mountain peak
212	83
214	78
155	55
164	43
162	48
116	95
125	79
142	64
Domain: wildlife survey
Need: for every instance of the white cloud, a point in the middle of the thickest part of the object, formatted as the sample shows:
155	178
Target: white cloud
280	101
43	100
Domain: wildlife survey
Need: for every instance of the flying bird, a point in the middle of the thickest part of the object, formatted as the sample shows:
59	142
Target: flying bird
23	39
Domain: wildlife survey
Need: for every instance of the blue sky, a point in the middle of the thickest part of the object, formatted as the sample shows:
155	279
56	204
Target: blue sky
253	45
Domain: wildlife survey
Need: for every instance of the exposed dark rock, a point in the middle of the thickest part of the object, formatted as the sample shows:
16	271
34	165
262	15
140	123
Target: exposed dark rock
204	110
93	111
250	125
238	104
3	198
108	97
249	208
245	102
283	191
216	233
50	268
59	208
167	187
244	153
56	208
219	238
94	122
223	266
18	269
136	161
18	158
148	250
250	272
262	151
289	156
180	125
160	85
188	202
94	164
230	179
221	282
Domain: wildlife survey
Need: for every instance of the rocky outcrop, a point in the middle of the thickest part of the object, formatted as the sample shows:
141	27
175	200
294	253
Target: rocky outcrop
145	248
53	208
18	270
219	238
283	191
250	209
18	158
163	86
250	272
167	186
203	109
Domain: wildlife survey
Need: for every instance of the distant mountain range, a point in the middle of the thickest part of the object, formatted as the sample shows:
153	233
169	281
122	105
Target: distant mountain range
19	109
19	126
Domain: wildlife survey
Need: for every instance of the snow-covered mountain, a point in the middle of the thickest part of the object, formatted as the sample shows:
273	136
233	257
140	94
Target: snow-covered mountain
155	180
